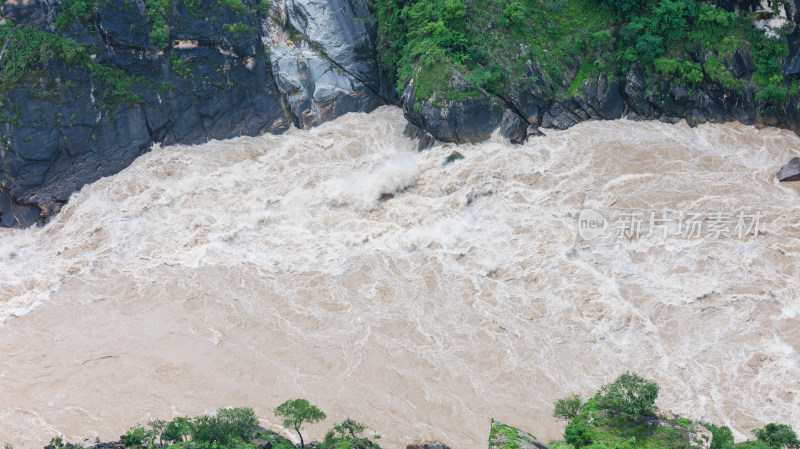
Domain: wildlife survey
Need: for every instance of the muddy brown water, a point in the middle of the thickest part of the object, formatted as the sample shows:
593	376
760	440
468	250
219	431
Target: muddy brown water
340	265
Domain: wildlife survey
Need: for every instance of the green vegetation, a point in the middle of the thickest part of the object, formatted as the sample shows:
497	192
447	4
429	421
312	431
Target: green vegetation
157	15
630	395
138	435
622	415
777	436
178	430
74	11
296	412
349	427
235	5
237	29
30	53
567	408
570	41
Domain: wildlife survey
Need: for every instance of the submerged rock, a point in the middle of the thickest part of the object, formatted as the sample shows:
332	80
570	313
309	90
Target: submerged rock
454	156
790	171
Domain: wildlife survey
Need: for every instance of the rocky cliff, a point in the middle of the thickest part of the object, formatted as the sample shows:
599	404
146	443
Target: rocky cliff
86	86
89	85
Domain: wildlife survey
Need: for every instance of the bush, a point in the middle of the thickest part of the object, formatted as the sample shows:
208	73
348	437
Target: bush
778	436
567	408
578	434
721	436
138	435
630	395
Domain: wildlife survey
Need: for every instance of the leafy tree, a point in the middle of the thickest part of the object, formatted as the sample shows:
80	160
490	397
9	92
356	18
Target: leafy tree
296	412
178	430
629	394
778	436
158	426
57	442
207	432
349	427
567	408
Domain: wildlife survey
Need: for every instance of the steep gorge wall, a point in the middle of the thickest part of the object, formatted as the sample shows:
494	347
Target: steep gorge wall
225	69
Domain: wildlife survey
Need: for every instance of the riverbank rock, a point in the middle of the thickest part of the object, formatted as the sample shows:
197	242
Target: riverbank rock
462	115
790	171
503	436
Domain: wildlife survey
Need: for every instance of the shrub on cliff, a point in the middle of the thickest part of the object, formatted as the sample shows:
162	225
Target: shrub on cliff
296	412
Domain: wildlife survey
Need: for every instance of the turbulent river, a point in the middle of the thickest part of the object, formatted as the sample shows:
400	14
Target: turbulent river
340	265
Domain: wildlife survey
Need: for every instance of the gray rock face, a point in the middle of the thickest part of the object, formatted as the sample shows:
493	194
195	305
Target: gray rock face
315	89
32	12
790	171
334	26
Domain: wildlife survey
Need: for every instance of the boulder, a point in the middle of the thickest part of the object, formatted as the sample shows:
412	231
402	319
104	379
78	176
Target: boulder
513	128
790	171
454	156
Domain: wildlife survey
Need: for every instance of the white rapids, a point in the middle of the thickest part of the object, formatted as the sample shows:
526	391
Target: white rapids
340	265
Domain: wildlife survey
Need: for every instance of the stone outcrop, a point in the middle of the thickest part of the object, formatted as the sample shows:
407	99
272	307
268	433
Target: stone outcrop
461	120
